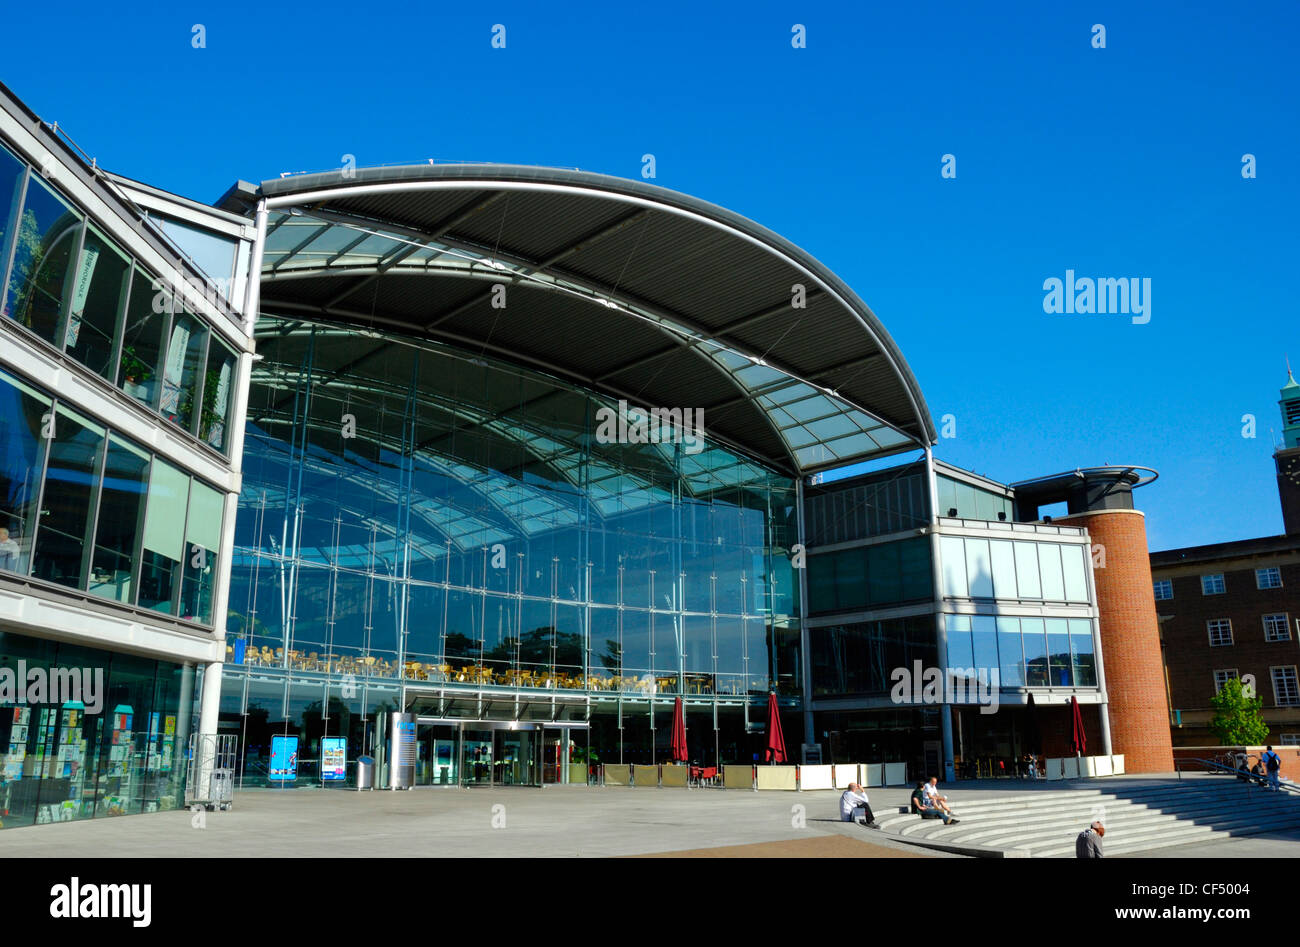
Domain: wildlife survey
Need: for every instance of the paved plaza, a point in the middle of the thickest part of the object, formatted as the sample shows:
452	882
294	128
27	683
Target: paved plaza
565	822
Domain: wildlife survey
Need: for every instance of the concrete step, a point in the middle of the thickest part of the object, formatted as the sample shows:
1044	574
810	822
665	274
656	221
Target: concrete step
1045	823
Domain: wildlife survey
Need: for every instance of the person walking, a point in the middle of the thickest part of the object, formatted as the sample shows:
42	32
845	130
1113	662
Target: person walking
1272	764
1088	844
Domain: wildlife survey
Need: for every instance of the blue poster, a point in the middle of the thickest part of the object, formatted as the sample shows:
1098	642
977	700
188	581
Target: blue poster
333	758
284	759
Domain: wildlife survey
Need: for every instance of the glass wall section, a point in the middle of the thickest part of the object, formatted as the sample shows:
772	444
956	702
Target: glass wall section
859	658
77	290
1020	570
13	175
970	502
142	341
870	577
121	521
115	520
888	501
47	241
72	474
181	383
410	510
1032	652
25	414
114	749
98	298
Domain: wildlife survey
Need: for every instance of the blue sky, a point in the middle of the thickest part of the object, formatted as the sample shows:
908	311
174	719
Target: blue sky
1116	162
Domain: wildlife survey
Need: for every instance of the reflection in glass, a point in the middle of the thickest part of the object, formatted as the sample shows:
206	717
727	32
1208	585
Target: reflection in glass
67	505
121	521
24	413
47	236
98	297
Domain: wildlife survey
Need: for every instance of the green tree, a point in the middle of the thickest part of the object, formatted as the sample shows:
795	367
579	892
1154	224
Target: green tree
1236	716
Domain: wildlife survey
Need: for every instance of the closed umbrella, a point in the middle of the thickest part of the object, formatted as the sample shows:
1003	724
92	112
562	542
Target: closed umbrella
679	733
775	738
1080	740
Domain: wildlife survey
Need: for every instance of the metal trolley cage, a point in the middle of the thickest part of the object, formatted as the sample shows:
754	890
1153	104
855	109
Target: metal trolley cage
210	778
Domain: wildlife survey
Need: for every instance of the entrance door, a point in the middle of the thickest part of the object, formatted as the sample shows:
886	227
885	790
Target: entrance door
557	745
476	758
516	758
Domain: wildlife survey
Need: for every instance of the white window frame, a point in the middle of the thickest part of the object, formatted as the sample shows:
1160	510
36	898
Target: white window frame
1221	583
1159	584
1295	680
1285	626
1210	629
1230	674
1268	570
1288	739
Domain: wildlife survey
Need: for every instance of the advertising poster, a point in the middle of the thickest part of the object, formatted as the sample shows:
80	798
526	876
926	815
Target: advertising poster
333	759
284	759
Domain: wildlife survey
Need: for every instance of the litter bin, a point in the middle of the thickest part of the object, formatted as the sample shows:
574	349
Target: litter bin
365	772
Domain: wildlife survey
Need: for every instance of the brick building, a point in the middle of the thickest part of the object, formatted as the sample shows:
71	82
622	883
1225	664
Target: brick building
1232	609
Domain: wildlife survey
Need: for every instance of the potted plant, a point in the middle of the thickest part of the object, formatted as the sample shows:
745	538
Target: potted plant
134	369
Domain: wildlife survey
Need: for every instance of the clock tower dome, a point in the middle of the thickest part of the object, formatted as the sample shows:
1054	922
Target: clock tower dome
1287	456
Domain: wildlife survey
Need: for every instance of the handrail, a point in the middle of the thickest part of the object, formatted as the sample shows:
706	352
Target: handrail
1214	766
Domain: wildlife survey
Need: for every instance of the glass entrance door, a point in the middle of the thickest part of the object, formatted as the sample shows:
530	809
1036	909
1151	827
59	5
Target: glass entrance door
476	757
516	758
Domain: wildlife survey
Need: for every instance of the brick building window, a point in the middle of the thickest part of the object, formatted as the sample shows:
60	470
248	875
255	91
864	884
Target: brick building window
1164	589
1290	739
1286	689
1277	627
1268	578
1212	584
1223	676
1220	631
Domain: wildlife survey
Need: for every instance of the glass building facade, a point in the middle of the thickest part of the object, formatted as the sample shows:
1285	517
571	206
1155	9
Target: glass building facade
73	760
411	513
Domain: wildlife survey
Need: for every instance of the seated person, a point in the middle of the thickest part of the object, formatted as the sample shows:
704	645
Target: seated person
854	807
926	811
933	798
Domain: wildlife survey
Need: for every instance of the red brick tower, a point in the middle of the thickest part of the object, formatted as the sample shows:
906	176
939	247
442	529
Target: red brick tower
1130	640
1100	499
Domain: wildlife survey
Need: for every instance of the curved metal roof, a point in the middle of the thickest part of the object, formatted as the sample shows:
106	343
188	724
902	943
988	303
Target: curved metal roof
625	288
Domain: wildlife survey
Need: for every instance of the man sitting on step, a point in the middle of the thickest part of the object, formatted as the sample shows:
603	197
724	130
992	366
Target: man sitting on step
855	808
1088	844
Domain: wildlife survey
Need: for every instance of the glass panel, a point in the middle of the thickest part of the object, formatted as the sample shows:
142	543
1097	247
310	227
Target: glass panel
181	370
1035	644
218	385
1058	649
960	651
164	536
1003	560
1073	565
979	569
984	640
952	553
1049	564
1027	571
121	521
48	234
67	503
146	320
12	174
1082	648
202	540
99	289
24	413
1010	654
